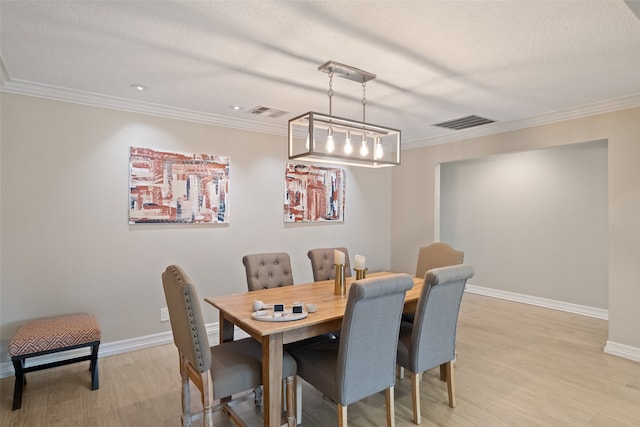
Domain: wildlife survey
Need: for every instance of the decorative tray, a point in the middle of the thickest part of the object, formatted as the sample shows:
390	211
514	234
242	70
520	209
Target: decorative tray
286	316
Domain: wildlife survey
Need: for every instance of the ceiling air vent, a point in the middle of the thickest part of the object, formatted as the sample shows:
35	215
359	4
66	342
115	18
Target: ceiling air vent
464	122
272	112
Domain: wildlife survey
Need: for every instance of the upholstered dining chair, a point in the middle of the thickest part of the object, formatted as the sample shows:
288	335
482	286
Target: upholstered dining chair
322	263
268	270
364	361
438	254
219	371
265	271
430	340
435	255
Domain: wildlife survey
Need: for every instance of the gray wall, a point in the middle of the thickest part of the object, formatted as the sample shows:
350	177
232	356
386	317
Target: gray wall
414	207
533	222
66	242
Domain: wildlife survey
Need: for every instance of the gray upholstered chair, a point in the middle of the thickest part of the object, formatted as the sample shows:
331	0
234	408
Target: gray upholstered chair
322	263
268	270
430	340
219	371
364	362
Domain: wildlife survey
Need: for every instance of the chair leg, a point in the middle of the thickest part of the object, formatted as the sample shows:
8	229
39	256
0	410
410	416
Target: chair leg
450	385
186	395
291	409
342	416
257	396
443	372
415	397
391	409
298	400
400	372
207	401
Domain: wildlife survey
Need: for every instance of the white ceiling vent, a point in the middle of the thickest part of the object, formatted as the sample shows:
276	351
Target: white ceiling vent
272	112
464	122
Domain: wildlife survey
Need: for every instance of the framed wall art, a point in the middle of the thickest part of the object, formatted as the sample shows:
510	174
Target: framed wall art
314	193
167	187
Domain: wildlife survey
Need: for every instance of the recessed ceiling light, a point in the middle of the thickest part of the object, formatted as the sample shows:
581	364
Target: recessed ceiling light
235	107
138	87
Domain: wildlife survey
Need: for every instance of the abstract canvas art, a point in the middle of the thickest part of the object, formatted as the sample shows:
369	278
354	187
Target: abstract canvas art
169	187
313	193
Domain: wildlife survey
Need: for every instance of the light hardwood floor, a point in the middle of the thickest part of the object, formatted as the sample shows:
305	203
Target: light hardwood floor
517	365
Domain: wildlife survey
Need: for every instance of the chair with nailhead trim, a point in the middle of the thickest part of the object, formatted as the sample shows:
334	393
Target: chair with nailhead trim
222	370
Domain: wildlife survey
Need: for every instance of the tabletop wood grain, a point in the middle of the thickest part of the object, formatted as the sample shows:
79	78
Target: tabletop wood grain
237	308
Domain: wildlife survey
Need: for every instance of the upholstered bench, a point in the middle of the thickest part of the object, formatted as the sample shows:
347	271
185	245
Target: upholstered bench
52	335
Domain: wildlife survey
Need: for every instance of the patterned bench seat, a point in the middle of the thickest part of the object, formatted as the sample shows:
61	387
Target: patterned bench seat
52	335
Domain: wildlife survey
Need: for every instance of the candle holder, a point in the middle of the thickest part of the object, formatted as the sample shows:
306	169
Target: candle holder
361	274
339	287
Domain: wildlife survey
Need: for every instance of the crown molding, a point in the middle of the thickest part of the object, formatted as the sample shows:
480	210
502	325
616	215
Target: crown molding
56	93
21	87
608	106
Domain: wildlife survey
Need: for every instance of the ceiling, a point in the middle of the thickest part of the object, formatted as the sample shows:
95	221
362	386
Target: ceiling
516	62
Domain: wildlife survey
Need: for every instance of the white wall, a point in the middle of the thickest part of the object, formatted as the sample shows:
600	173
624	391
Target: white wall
533	222
66	242
413	216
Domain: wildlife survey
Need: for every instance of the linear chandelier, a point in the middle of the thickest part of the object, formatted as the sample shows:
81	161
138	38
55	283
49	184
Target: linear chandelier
325	138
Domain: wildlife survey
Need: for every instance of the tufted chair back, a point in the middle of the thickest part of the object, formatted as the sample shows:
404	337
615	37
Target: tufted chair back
323	266
268	270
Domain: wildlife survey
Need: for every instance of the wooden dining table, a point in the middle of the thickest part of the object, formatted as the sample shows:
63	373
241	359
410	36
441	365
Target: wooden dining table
236	310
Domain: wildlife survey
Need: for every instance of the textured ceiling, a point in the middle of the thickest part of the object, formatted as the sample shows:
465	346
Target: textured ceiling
509	61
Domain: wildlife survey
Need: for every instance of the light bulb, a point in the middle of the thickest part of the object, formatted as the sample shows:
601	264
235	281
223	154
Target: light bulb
379	152
306	144
331	145
348	148
364	149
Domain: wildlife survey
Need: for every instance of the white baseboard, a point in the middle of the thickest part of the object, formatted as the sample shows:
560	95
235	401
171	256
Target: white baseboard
613	348
622	350
113	348
583	310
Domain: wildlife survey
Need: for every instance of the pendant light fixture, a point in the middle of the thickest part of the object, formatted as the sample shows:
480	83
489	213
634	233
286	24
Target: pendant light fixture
334	135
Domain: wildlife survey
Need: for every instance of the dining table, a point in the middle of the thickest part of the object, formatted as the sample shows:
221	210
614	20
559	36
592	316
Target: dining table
237	310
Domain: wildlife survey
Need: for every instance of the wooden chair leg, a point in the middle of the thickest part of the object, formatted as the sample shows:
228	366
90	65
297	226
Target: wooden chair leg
391	409
443	372
415	397
450	385
291	408
342	416
207	401
186	394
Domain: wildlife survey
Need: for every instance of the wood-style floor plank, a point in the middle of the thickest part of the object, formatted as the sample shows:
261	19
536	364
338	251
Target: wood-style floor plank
517	365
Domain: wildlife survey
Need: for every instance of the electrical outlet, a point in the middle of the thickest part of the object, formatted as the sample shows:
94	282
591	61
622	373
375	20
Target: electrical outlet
164	314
